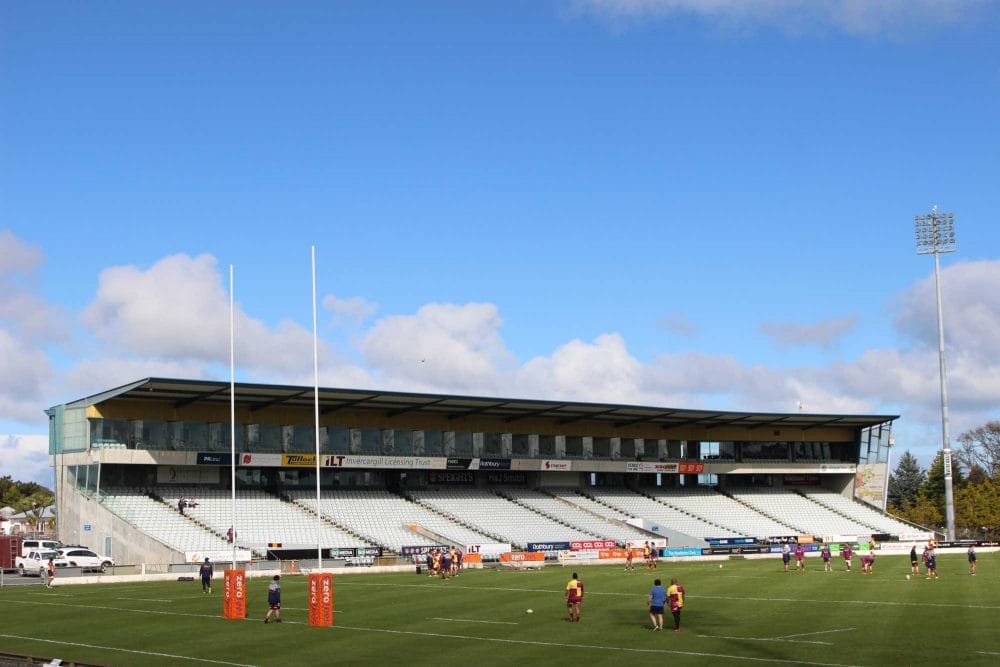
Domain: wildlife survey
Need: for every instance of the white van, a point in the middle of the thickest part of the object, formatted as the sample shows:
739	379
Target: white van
39	545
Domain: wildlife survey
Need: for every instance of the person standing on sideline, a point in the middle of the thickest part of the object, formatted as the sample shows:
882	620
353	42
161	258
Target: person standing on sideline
675	595
574	596
657	600
914	563
274	600
786	556
972	559
826	555
47	573
848	553
206	571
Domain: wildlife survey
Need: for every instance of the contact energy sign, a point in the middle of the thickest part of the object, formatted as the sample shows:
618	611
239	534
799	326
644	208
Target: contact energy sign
321	599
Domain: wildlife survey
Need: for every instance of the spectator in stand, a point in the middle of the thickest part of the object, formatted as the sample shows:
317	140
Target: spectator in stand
181	504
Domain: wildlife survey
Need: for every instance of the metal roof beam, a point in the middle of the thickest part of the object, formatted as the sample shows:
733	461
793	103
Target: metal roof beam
475	411
533	413
276	401
197	397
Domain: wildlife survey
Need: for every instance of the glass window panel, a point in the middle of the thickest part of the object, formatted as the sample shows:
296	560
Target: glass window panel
492	443
463	444
433	443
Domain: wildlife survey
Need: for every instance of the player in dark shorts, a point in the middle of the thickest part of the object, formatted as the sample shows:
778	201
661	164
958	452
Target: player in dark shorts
825	554
445	564
206	571
931	564
914	562
274	600
574	596
866	564
848	553
786	556
675	596
972	559
657	600
800	556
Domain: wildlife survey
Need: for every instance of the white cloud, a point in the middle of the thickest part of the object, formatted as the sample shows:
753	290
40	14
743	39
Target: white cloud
602	371
355	309
458	347
855	17
823	334
177	311
26	458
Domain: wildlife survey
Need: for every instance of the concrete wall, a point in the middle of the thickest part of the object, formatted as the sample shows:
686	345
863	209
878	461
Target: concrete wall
129	545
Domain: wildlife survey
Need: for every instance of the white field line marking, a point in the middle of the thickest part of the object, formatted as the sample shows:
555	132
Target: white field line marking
623	649
871	602
767	639
414	633
472	620
988	652
126	650
686	596
145	599
818	632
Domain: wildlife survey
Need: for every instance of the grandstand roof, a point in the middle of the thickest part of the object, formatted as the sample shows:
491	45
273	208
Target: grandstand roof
257	396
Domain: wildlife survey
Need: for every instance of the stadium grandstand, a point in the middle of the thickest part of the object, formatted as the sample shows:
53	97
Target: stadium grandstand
144	472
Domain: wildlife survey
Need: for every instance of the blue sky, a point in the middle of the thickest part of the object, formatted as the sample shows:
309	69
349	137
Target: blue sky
675	202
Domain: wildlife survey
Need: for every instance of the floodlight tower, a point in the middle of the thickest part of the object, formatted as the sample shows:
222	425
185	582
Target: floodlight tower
935	235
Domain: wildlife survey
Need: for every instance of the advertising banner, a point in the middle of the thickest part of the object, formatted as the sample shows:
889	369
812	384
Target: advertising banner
494	464
657	543
217	555
586	545
260	460
489	550
506	477
869	483
321	599
691	468
801	480
729	541
420	549
458	464
556	465
547	546
298	460
234	594
650	467
522	557
673	553
590	554
605	554
210	459
457	477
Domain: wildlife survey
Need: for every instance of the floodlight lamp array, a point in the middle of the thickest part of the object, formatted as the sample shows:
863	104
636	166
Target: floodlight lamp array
935	233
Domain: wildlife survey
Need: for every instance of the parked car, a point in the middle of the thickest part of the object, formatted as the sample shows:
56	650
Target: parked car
85	559
34	561
39	544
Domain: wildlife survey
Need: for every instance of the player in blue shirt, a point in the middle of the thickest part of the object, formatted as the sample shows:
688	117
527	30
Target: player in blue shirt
657	599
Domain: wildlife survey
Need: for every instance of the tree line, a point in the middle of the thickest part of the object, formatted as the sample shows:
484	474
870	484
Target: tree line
29	497
917	495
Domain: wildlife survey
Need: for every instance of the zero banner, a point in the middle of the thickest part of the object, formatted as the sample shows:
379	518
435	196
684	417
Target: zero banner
321	599
234	598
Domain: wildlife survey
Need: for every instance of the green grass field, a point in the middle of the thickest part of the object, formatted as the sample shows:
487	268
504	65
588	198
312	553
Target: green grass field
747	612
